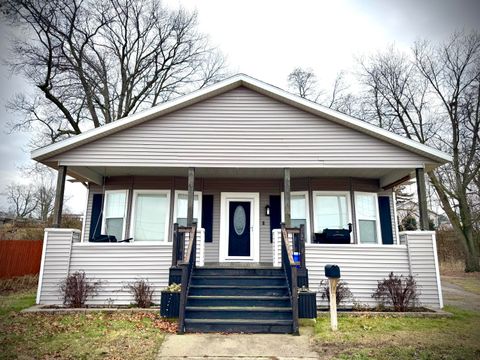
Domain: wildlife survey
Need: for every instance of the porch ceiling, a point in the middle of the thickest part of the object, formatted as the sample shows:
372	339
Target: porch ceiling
386	175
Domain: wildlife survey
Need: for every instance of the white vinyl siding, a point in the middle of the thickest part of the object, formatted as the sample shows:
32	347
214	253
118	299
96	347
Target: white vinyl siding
114	213
241	128
150	215
367	217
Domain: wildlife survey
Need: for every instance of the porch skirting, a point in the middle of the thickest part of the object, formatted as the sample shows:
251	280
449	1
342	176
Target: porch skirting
116	265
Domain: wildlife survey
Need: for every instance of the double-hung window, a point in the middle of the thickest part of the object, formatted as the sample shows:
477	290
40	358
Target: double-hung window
150	215
368	224
331	210
299	211
115	209
181	208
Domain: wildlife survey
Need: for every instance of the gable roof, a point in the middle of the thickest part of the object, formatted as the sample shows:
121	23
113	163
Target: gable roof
42	154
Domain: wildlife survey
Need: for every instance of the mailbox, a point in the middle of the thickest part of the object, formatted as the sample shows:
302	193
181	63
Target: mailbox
332	271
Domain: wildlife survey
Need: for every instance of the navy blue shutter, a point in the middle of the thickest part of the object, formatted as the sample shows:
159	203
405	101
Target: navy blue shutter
385	219
207	216
275	213
96	216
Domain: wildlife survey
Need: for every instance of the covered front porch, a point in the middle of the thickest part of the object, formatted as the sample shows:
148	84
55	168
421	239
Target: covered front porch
238	211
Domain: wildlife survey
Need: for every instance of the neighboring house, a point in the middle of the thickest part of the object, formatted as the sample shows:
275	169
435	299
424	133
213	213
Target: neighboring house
224	157
410	208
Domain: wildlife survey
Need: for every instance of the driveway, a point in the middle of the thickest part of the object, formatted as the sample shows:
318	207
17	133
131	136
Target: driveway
462	290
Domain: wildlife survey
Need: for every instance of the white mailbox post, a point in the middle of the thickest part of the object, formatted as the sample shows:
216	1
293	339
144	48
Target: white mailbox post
332	272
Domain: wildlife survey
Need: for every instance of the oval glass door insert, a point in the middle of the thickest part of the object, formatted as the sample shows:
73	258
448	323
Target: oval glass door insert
239	220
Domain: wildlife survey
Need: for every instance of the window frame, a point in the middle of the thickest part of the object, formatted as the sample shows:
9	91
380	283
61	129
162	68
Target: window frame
334	193
125	210
175	205
136	192
308	237
377	219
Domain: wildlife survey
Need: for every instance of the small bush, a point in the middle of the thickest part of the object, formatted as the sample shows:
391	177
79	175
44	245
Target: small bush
343	292
76	289
142	293
399	291
174	287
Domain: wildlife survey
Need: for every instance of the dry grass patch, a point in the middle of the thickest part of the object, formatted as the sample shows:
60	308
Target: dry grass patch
402	338
77	336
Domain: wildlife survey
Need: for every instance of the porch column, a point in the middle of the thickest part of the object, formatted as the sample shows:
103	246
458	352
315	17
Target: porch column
422	198
286	197
60	190
191	193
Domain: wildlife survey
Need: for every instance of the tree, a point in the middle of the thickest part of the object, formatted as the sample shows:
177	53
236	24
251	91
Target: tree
21	199
95	62
43	184
303	82
433	96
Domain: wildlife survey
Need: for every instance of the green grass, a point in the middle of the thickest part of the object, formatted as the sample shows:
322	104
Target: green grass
402	338
76	336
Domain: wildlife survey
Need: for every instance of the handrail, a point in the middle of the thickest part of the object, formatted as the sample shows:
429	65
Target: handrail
290	268
187	264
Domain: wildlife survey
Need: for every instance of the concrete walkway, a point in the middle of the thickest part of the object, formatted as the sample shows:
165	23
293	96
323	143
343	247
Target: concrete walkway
237	346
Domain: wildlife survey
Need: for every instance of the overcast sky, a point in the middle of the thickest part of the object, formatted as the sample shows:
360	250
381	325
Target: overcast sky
267	39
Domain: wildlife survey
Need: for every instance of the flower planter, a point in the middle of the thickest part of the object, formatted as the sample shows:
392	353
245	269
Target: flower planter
307	304
169	304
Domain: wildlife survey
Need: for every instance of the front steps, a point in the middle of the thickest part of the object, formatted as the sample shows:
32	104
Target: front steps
234	300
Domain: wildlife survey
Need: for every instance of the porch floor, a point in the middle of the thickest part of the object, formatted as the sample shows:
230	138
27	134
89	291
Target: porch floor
239	265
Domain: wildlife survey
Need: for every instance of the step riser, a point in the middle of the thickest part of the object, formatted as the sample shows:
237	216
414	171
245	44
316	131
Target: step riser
239	272
254	315
238	302
234	328
239	281
238	292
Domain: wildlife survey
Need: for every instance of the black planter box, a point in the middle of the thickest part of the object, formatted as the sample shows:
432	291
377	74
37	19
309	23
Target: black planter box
169	304
307	304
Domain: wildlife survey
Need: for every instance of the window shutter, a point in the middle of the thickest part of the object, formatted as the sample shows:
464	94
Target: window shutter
96	216
275	213
207	217
385	219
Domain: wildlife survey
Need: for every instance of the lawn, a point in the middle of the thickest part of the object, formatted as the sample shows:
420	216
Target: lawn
370	337
76	336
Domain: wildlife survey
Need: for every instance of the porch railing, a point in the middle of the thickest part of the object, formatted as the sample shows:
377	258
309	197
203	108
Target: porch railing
187	265
290	268
181	242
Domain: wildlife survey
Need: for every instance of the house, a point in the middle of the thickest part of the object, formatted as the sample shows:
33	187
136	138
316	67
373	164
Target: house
409	208
239	158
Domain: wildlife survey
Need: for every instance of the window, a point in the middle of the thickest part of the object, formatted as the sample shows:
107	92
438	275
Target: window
150	215
368	224
299	214
181	208
115	208
331	210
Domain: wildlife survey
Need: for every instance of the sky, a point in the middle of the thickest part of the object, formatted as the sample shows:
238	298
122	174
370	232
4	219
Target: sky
267	40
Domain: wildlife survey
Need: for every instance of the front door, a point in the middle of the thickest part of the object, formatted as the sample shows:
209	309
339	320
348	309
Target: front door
239	228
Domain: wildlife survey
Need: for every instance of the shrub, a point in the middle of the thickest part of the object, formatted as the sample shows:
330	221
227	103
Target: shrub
174	287
76	289
343	292
409	223
399	291
142	293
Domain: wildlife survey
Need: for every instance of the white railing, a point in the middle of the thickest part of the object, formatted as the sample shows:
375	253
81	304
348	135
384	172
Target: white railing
200	253
277	246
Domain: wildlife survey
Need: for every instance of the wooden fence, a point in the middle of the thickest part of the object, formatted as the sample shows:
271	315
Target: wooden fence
20	257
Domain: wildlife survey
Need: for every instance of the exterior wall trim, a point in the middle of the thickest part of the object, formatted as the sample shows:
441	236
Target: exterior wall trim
42	267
